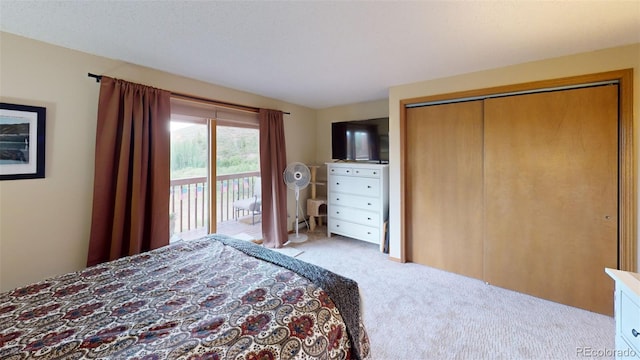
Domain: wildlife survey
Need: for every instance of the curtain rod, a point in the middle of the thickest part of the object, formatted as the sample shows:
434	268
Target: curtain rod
191	97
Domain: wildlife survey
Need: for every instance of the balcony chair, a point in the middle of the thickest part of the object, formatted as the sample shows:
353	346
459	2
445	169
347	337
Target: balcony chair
252	204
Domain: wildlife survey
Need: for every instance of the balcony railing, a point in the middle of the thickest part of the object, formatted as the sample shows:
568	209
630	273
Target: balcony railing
188	199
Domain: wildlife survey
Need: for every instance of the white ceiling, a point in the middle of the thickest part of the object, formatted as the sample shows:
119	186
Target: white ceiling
325	53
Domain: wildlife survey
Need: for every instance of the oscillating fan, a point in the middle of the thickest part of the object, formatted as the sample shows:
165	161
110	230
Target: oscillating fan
297	177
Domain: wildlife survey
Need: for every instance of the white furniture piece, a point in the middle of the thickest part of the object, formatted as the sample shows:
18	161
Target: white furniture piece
627	313
358	196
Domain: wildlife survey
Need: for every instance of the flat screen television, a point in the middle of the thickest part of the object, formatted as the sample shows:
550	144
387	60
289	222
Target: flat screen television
360	140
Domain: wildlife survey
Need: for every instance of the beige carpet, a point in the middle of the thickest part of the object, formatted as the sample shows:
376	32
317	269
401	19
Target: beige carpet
244	236
416	312
289	249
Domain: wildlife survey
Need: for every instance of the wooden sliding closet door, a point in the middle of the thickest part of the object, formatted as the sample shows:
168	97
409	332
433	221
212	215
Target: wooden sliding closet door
444	187
551	188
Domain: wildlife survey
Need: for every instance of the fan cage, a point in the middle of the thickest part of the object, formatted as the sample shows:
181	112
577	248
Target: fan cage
297	175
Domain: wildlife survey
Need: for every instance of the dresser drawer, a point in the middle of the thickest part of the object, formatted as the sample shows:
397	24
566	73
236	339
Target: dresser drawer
355	215
630	321
340	171
366	172
354	201
355	171
362	232
354	185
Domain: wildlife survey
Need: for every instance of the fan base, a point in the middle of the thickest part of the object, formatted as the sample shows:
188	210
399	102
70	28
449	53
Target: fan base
297	238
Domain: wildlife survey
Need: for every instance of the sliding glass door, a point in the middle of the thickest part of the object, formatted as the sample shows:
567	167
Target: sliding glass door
238	196
234	206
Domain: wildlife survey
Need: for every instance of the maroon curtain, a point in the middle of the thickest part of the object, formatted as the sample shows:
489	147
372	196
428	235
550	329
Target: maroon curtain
273	162
131	185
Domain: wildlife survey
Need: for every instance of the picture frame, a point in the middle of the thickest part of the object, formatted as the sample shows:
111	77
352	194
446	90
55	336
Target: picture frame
22	141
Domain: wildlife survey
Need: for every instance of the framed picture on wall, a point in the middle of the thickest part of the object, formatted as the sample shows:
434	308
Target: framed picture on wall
22	141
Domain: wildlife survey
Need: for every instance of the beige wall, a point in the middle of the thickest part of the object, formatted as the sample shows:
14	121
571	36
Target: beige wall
586	63
45	223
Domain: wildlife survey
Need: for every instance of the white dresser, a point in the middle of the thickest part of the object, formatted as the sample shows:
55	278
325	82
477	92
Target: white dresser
627	313
358	196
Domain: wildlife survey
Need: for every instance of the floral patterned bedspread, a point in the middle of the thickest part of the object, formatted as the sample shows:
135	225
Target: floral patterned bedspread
197	299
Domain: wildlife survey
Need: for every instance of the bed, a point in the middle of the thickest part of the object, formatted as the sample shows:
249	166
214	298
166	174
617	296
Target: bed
212	298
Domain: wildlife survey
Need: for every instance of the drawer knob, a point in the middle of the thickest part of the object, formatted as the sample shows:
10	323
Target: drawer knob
337	212
368	218
368	186
337	183
368	232
337	199
369	204
635	332
375	173
338	225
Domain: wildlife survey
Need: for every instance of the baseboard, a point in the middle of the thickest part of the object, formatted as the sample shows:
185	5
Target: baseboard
302	225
